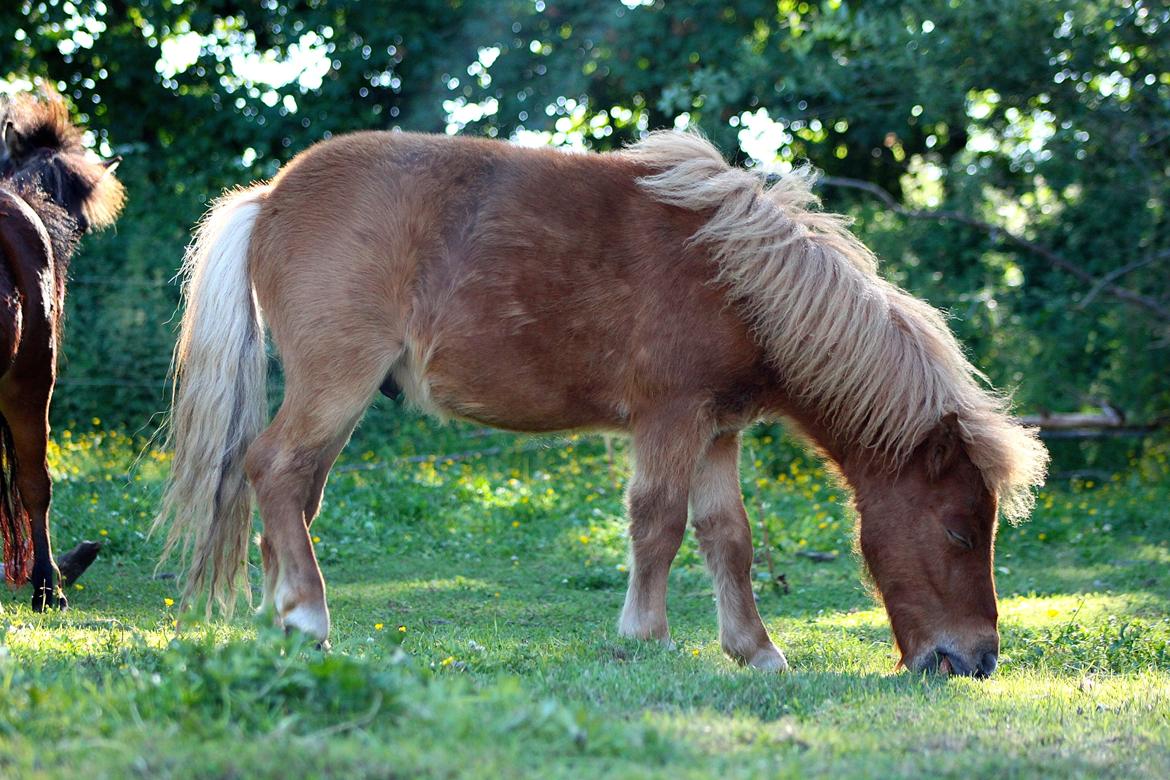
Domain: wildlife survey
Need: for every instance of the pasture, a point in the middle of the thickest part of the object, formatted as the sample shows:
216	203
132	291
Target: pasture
475	603
1005	161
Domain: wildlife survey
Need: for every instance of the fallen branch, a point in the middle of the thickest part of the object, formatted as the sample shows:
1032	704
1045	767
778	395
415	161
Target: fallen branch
1108	417
1098	433
1109	421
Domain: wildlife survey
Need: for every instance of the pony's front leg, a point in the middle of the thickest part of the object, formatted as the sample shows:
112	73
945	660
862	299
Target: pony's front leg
664	459
46	578
725	539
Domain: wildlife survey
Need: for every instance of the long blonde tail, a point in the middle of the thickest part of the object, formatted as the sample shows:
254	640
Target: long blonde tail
219	405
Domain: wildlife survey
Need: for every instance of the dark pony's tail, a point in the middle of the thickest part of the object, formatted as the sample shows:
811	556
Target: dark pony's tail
15	526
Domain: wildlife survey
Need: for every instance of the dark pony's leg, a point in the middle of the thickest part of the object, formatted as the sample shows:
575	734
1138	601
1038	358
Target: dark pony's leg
665	451
15	527
25	409
725	538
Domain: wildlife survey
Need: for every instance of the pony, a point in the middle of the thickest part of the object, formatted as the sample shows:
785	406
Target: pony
51	194
655	291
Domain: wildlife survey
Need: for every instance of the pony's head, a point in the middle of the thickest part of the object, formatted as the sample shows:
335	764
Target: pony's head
872	374
927	534
41	149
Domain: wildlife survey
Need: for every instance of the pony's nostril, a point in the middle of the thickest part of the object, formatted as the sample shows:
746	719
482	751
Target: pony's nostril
950	663
987	664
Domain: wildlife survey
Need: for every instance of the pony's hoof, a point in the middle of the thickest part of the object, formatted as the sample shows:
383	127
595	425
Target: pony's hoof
42	601
631	625
322	644
769	659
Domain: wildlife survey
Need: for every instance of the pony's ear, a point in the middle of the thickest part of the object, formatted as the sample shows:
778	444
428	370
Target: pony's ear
106	199
942	445
10	141
112	163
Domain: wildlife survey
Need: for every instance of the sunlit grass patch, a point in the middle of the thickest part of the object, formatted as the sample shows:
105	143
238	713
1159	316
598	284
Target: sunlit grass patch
474	605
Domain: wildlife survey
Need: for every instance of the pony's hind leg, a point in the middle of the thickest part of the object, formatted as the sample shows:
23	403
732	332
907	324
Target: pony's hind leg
664	459
316	493
725	539
287	466
25	407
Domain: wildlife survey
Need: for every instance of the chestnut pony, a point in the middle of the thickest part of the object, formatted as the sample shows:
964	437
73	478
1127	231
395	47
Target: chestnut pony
655	291
50	195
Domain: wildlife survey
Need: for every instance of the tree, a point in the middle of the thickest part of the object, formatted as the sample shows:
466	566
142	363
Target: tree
1007	158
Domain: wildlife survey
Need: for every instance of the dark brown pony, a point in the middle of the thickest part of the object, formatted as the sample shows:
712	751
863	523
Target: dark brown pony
50	195
656	291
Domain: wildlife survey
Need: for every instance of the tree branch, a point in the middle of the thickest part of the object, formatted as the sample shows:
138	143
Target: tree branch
1117	273
1052	257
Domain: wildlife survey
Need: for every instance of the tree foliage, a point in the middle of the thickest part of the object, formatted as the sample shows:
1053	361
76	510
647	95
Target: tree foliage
1023	144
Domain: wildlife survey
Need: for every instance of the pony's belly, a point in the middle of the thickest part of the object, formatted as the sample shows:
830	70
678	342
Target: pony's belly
528	408
505	389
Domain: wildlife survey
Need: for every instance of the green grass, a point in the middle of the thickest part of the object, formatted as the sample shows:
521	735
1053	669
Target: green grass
474	606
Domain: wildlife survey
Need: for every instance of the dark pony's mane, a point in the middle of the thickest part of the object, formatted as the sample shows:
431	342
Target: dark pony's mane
48	167
43	124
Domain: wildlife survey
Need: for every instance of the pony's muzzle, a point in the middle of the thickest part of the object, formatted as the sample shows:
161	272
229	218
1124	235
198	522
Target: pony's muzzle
980	666
987	664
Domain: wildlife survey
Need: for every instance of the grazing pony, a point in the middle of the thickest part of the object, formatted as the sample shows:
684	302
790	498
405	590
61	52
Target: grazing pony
50	195
655	291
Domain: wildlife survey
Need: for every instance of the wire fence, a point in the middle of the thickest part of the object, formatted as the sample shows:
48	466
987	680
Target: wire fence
121	281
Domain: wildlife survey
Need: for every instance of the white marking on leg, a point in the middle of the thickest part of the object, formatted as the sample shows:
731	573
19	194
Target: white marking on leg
306	613
312	619
638	622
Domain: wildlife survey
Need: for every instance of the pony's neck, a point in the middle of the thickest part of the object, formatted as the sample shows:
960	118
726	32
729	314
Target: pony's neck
856	462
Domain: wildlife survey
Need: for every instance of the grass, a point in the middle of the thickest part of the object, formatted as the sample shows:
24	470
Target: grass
474	604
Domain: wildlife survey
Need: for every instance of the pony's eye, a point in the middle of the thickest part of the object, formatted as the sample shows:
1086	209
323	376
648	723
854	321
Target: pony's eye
960	539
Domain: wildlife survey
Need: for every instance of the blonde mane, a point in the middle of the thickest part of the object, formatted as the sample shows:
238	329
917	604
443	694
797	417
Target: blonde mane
883	365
